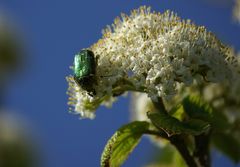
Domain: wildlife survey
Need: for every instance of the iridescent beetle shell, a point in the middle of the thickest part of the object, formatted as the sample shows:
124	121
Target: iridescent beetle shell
85	70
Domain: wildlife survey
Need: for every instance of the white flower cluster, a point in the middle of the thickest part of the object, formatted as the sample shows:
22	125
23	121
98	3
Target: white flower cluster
151	52
225	97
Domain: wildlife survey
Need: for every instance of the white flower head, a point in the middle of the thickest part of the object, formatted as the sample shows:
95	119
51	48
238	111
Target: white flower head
151	52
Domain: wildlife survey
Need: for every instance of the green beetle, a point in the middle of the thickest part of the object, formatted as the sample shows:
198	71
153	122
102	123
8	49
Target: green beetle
85	70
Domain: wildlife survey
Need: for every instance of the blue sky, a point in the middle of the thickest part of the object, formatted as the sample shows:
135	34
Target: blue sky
53	32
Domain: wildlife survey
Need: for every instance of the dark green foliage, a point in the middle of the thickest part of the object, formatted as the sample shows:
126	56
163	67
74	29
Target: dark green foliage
173	126
196	108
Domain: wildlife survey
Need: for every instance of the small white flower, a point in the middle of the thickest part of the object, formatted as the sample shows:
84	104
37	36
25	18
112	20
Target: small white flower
223	97
151	52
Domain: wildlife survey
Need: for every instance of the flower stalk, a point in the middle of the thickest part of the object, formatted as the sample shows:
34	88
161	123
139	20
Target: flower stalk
200	156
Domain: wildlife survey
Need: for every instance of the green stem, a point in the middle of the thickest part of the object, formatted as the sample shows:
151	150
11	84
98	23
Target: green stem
176	140
159	133
202	152
160	106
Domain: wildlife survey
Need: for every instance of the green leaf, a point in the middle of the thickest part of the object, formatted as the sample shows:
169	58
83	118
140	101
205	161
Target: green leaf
196	108
177	112
228	145
173	126
122	143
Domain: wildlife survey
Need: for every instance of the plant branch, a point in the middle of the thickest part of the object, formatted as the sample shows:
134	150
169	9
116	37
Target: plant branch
181	147
159	105
176	140
202	152
159	133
